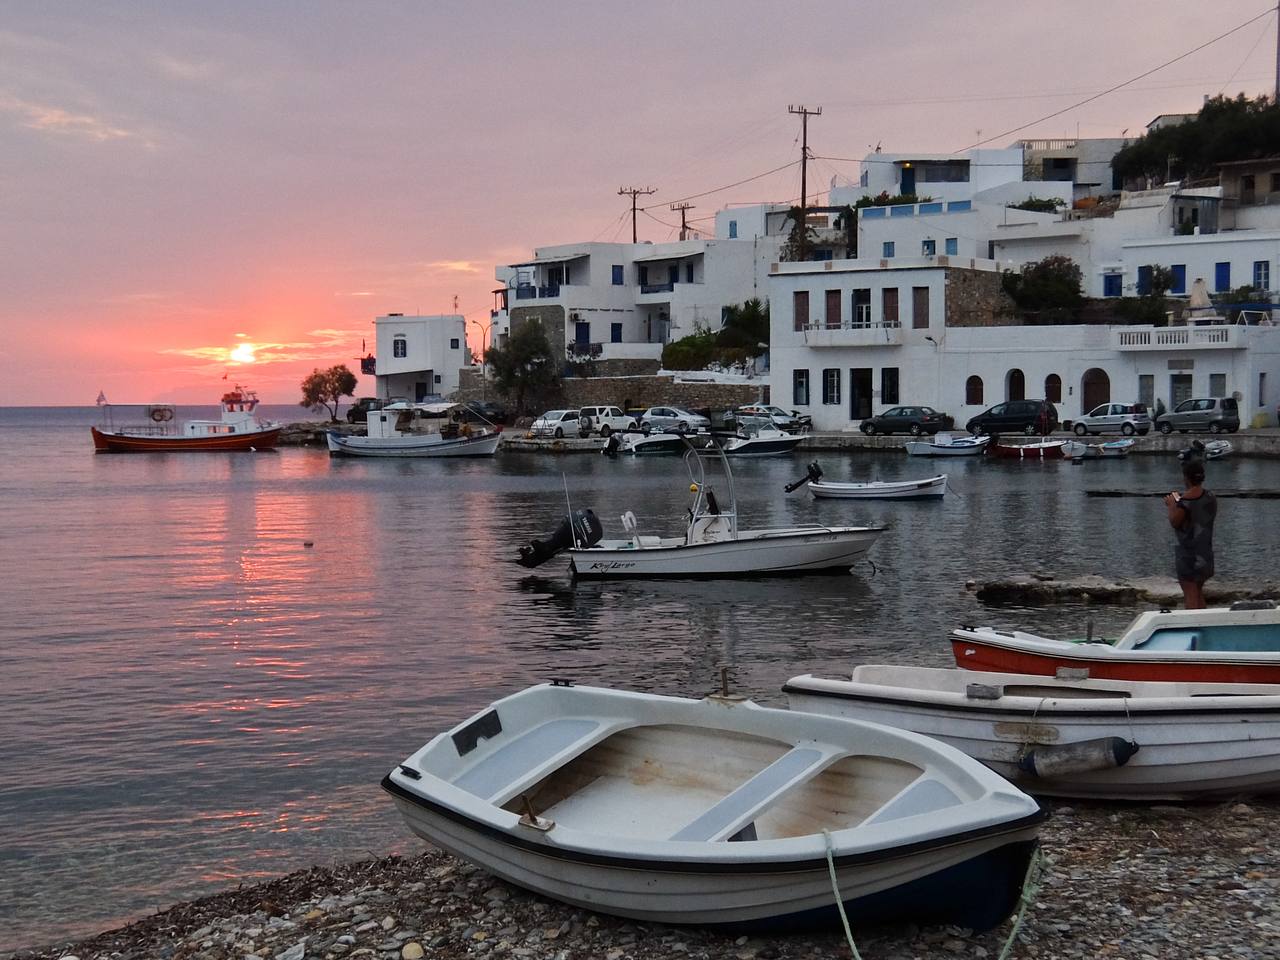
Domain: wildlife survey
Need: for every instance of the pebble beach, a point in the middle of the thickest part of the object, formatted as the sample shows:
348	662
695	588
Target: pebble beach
1124	881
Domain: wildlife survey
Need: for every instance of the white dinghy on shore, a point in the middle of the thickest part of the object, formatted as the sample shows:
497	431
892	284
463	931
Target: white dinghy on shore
719	812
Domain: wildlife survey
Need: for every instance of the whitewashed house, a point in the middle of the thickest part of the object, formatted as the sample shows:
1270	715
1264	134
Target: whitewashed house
419	357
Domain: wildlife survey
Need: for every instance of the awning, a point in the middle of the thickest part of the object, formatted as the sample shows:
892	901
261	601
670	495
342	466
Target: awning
669	255
556	259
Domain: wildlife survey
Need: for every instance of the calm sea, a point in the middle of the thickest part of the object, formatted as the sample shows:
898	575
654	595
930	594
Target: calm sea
194	697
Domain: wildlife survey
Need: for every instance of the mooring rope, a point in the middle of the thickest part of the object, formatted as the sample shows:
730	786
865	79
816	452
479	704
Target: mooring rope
835	888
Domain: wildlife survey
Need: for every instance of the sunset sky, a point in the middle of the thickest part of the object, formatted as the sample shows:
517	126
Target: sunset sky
192	188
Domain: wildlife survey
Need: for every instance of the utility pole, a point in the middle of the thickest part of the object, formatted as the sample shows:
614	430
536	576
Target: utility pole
1277	100
634	192
684	227
804	113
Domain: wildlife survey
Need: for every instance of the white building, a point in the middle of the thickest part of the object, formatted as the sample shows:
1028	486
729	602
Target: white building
419	357
851	338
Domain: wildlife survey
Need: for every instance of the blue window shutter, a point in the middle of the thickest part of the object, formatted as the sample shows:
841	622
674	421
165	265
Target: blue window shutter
617	275
1179	271
952	246
1144	280
1112	284
1222	277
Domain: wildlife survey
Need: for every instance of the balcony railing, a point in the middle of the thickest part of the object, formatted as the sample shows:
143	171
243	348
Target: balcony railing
853	333
667	287
1177	338
530	292
577	350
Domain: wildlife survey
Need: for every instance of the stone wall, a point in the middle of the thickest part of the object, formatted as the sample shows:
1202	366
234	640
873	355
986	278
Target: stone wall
550	315
975	298
632	392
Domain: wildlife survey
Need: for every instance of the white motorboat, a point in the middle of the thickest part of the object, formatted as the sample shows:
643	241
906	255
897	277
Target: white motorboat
881	489
1112	449
416	430
1107	739
757	437
1217	449
640	444
1236	645
948	445
712	544
719	812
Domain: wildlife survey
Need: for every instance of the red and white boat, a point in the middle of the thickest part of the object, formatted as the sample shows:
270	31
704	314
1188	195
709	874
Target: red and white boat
238	429
1218	645
1039	450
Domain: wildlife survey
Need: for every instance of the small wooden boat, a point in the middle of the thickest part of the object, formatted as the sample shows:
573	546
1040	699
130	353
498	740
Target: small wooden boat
881	489
1036	450
719	812
239	429
1112	449
948	445
1218	645
415	430
1105	739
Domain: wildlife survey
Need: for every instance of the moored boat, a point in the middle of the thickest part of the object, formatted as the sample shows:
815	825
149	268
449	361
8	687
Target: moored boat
1112	449
757	437
948	445
930	487
643	444
416	430
1035	450
1105	739
719	812
1240	644
238	429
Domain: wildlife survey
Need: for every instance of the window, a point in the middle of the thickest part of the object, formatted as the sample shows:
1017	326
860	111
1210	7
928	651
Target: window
920	308
889	306
617	275
831	385
888	384
399	347
952	246
644	274
833	309
800	387
733	229
887	249
1275	183
1144	280
1112	285
438	379
928	248
1179	271
1015	385
1217	384
862	308
800	308
615	333
688	273
1262	274
1262	389
1053	388
453	343
1222	277
973	391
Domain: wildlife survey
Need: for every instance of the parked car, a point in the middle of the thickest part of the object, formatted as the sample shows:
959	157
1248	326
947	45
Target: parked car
484	410
1016	416
604	421
556	423
1126	418
1214	414
912	420
359	411
792	422
672	418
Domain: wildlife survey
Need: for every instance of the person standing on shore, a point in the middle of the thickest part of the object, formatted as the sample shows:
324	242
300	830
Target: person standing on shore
1191	514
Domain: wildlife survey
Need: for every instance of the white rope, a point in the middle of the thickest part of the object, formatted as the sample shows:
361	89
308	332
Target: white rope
1030	887
835	888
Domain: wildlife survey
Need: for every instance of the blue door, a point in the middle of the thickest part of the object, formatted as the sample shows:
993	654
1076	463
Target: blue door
1222	277
1144	280
582	332
1112	284
908	180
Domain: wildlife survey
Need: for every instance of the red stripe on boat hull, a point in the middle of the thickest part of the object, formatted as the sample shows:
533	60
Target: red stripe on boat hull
1193	667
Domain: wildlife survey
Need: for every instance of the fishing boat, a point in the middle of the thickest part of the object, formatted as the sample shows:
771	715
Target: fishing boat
712	545
1240	644
757	437
1101	739
416	430
948	445
1036	450
719	812
931	487
238	429
1112	449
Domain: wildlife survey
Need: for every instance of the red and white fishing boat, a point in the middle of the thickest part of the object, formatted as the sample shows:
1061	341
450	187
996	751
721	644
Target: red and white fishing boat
238	429
1240	644
1039	450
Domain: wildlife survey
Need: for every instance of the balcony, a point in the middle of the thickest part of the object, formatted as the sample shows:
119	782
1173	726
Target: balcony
852	333
1220	337
667	287
530	292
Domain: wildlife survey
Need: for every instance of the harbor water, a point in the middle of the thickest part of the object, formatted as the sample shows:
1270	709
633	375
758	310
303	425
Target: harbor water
208	661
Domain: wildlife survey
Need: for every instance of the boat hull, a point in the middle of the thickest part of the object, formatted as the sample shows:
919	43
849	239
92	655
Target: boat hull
753	554
411	446
934	487
107	441
927	448
1051	450
762	448
1189	748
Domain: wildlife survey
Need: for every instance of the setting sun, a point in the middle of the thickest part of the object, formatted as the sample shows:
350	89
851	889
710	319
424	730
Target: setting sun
243	353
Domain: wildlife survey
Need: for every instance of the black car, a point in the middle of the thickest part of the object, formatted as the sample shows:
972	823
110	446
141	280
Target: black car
359	411
485	411
1016	416
912	420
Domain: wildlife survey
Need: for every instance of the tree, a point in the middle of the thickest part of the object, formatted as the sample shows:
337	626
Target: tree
324	389
745	328
1039	204
1049	284
525	369
694	352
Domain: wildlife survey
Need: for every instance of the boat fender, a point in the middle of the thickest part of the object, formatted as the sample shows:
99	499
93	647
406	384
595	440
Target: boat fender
1059	760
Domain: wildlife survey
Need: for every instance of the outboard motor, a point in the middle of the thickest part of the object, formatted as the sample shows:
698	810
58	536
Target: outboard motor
813	476
612	445
1193	452
585	524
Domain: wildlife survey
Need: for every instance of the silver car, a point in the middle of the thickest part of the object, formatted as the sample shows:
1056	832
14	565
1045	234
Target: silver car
556	423
672	418
1126	418
1215	414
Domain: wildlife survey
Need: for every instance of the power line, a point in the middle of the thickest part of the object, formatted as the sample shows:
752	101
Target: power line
1147	73
730	186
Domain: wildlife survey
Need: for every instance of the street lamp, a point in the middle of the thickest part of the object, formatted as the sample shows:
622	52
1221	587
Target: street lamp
484	348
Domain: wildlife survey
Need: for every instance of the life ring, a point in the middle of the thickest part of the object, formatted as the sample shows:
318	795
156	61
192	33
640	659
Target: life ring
159	415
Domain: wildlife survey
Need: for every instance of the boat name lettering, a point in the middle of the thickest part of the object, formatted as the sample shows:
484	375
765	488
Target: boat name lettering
612	564
1026	732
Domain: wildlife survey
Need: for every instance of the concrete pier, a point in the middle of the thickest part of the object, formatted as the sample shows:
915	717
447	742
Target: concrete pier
1251	443
1045	588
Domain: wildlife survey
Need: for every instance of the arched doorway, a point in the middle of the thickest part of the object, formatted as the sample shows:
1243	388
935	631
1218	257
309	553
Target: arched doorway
1053	388
1095	389
1015	385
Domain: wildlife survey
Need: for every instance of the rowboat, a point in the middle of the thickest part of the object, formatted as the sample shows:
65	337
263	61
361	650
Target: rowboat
948	445
1036	450
415	430
1104	739
238	429
1112	449
1240	644
881	489
719	812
